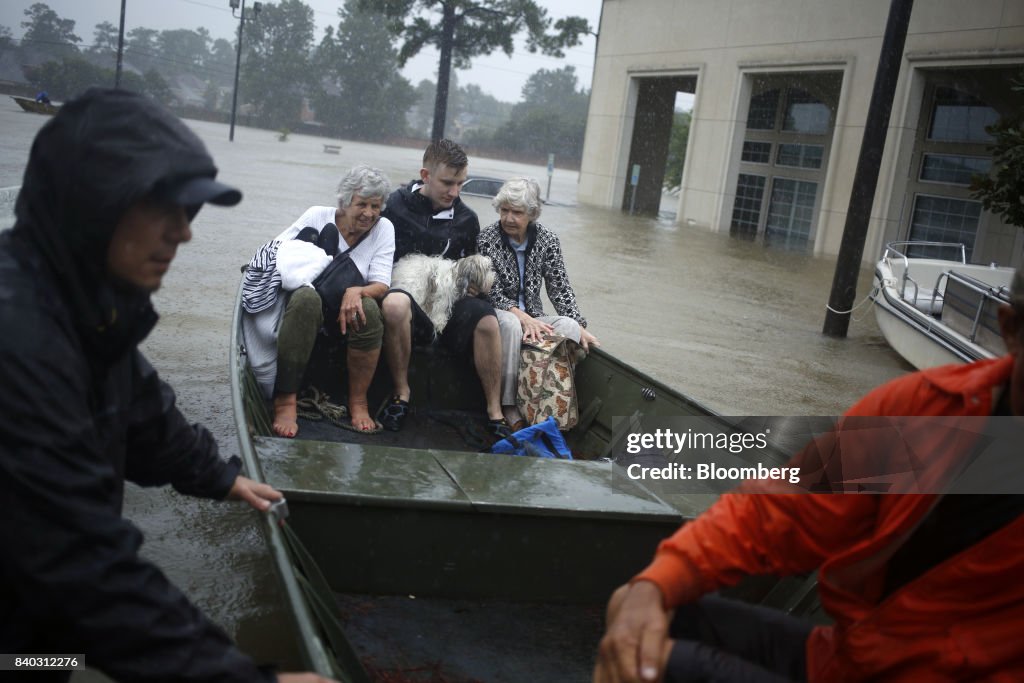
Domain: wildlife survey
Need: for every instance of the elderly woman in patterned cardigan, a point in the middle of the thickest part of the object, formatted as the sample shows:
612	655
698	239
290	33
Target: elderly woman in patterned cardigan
524	253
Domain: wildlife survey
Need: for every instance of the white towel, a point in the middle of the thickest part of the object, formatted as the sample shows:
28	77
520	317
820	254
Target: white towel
299	262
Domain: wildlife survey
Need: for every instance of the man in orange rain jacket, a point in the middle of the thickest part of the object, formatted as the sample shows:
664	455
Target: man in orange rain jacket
920	587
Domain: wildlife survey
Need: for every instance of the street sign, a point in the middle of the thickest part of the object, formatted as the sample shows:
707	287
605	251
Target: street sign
634	180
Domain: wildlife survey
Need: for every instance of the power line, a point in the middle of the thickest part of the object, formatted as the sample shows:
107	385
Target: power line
131	52
219	8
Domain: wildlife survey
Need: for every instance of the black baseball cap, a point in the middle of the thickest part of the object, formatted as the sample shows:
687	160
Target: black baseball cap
199	190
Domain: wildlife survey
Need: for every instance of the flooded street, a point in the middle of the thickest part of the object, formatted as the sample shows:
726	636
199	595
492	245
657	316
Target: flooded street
730	323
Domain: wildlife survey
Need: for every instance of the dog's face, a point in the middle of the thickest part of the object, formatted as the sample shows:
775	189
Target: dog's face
474	271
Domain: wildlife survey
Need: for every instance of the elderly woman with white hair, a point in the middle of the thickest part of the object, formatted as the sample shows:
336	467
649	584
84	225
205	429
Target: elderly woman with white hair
524	254
284	314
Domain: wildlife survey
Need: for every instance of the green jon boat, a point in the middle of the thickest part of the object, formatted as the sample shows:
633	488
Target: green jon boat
410	556
35	106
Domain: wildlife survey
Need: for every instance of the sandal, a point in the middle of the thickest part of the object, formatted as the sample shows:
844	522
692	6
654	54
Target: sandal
499	429
393	413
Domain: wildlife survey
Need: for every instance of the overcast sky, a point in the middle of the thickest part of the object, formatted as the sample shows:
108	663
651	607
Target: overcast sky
496	74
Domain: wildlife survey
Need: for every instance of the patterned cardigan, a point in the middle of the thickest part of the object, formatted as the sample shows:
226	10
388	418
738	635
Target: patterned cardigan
543	262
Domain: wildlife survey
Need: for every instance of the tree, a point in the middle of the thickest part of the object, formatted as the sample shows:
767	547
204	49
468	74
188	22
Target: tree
677	149
45	29
476	115
276	67
463	29
69	76
182	50
551	118
154	85
1002	190
220	62
104	39
549	88
368	96
211	97
474	111
421	115
6	40
141	49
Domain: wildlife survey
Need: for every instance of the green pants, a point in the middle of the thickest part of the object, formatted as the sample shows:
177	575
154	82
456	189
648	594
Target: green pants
300	327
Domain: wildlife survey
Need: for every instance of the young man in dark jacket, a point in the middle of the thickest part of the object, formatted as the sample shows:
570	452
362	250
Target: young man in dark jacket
112	183
429	218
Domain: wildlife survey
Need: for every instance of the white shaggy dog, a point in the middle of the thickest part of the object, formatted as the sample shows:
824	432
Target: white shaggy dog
436	283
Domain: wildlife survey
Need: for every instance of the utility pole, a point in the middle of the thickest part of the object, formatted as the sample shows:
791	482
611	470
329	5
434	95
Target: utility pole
120	48
238	59
865	179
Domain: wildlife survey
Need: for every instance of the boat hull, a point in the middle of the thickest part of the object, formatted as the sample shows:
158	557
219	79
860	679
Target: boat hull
30	105
935	311
389	545
912	336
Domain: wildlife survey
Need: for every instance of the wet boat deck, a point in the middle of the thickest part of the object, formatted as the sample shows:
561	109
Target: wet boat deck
472	640
458	567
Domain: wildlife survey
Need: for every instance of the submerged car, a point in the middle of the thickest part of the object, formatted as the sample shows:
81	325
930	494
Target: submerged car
482	186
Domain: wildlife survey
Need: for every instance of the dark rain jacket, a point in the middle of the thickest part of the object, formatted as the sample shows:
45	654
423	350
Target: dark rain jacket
421	230
81	410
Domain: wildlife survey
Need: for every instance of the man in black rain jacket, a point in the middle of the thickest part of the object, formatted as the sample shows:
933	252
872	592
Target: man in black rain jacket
111	185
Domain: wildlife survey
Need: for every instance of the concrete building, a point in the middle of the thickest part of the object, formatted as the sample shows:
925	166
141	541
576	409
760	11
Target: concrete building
781	90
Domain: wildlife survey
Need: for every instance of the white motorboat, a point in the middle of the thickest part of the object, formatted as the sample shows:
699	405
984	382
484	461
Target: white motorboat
935	311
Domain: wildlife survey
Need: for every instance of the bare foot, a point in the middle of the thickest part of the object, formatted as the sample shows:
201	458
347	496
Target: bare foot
285	416
359	413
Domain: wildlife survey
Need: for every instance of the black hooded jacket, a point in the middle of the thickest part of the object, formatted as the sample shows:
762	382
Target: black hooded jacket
81	409
420	229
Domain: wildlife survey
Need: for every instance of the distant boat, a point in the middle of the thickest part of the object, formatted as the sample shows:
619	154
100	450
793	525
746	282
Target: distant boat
30	104
936	311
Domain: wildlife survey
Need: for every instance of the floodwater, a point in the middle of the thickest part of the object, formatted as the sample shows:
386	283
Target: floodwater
732	324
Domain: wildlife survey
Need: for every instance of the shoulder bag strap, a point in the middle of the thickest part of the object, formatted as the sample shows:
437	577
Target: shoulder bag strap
361	237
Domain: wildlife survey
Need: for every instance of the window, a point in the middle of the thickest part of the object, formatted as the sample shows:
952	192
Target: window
800	156
953	169
784	155
945	219
951	146
960	117
791	211
746	208
757	152
762	110
805	113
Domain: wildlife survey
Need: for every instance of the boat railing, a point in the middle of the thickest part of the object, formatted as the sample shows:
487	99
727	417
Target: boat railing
970	307
314	651
898	249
